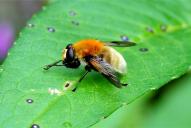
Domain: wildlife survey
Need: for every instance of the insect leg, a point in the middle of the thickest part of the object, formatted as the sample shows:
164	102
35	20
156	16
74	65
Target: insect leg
82	77
124	84
88	69
53	64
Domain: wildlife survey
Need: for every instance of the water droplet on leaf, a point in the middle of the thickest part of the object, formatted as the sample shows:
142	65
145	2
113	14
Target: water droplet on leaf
72	13
149	29
163	28
75	23
143	49
51	29
29	101
124	38
35	126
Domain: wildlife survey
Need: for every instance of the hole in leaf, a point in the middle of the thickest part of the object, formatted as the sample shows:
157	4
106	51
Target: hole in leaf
51	29
69	85
30	101
143	49
35	126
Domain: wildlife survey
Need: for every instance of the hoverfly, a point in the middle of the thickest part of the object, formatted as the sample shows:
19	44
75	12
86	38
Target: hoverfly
98	56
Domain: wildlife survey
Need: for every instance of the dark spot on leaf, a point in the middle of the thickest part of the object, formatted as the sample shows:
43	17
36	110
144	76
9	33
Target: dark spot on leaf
74	90
35	126
149	29
67	85
143	49
30	25
72	13
75	23
30	101
51	29
124	38
163	28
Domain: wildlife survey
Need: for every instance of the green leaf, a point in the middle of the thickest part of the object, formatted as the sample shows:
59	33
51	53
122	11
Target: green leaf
129	116
167	58
173	110
168	107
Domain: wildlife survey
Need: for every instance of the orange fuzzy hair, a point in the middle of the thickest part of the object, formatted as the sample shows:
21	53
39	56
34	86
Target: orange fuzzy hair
87	47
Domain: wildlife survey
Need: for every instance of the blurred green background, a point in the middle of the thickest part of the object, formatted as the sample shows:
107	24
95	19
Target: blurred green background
13	17
17	12
168	107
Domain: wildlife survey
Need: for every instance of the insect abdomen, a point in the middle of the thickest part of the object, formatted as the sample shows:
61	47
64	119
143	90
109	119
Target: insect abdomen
115	59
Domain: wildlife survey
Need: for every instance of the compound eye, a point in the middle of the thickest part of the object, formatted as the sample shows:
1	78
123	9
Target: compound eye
70	54
68	46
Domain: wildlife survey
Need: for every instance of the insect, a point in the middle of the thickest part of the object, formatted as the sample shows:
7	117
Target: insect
98	56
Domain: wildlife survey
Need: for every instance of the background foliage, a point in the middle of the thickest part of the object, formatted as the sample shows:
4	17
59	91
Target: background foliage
167	107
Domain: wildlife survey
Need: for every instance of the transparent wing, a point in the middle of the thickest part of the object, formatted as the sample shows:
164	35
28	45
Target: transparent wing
106	70
120	43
